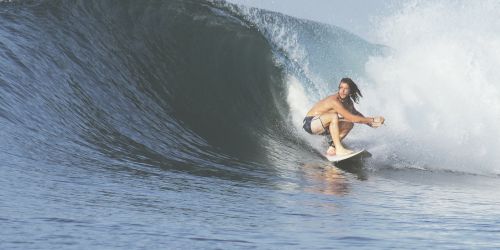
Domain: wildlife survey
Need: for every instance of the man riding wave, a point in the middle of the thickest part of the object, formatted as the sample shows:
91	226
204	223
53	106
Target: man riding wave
336	115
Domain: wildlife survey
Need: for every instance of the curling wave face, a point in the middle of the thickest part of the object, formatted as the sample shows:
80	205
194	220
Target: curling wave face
156	83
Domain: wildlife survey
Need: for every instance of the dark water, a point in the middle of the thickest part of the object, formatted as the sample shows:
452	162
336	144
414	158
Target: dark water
165	124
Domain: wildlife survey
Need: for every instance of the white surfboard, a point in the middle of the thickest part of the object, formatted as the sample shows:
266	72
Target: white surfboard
344	157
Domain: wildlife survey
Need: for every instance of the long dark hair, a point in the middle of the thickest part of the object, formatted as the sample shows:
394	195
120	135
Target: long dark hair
354	92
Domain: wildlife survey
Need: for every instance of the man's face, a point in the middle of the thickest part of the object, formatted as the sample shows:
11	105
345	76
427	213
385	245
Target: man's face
344	90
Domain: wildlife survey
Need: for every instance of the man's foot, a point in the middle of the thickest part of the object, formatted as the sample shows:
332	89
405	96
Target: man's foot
330	151
343	151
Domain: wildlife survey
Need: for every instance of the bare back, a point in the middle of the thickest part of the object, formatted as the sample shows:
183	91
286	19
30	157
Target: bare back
345	109
324	106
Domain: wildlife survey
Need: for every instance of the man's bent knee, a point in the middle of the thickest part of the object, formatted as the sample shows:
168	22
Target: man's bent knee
332	116
329	117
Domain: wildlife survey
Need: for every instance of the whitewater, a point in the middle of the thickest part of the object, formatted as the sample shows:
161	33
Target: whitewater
177	124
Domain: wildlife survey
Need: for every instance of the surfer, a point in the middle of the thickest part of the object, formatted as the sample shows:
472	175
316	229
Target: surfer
335	115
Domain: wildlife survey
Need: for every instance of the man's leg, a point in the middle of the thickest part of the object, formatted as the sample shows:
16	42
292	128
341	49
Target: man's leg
335	132
345	127
332	121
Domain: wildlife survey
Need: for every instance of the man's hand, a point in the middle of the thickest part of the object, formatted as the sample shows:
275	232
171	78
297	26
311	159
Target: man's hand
377	122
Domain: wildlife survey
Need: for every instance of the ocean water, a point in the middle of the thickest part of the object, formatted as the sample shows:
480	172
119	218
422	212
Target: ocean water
176	125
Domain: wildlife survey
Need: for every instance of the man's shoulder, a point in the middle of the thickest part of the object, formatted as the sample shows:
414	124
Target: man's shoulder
332	98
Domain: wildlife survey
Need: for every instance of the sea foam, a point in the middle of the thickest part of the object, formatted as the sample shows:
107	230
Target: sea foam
439	86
